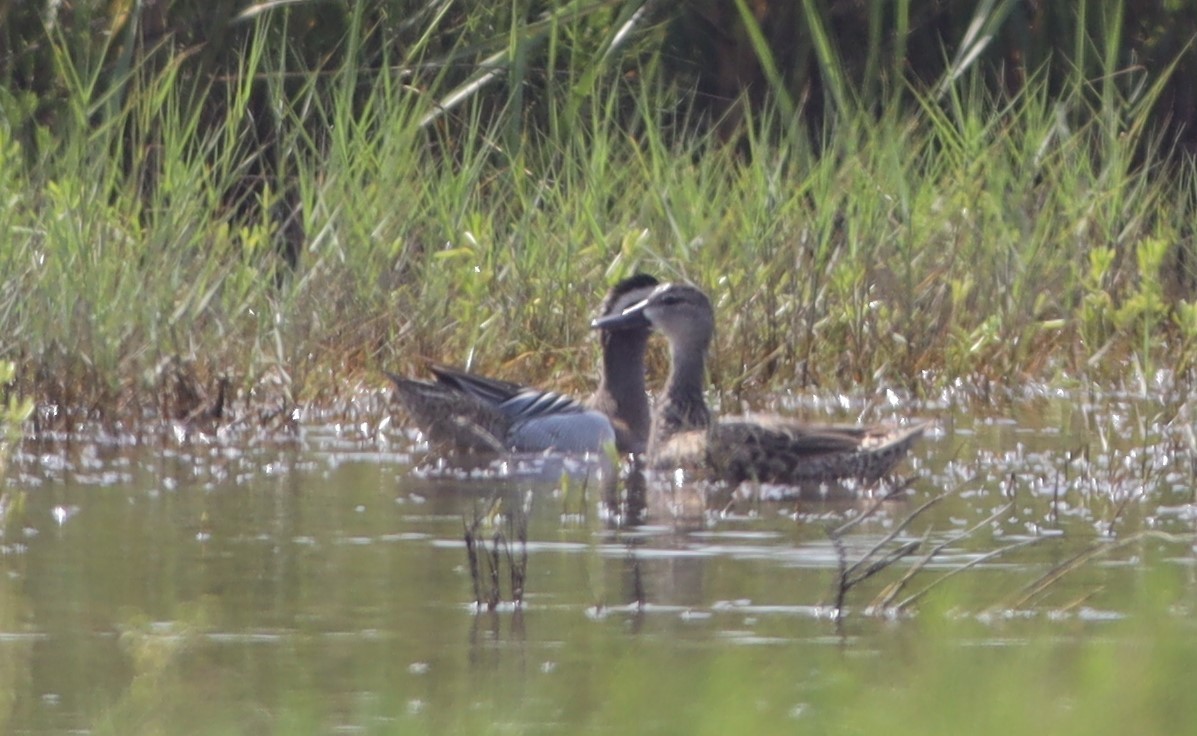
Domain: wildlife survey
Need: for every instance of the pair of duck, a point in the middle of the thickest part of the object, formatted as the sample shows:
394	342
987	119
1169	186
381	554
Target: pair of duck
473	413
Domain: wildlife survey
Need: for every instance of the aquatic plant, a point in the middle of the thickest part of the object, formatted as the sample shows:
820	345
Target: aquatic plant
14	411
506	521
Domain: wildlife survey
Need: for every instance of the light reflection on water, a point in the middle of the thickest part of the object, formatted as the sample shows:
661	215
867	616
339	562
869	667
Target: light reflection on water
238	574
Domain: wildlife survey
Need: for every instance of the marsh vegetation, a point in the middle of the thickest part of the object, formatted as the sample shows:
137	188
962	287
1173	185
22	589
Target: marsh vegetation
290	198
222	220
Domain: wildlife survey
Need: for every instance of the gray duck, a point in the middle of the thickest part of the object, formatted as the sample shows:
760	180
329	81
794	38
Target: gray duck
471	413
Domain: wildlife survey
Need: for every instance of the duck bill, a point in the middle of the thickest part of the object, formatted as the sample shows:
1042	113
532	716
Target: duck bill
629	318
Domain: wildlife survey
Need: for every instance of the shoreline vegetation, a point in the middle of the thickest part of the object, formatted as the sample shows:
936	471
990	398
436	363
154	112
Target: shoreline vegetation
276	203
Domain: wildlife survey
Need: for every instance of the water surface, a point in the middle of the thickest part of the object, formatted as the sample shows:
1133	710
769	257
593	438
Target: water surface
317	581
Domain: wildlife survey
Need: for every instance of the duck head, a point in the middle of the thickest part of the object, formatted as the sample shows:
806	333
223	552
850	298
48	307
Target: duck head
681	312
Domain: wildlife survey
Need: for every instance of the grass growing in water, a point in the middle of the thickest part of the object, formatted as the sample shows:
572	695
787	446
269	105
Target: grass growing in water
981	236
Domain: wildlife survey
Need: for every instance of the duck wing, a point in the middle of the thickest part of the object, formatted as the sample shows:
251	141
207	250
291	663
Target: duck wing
516	402
777	450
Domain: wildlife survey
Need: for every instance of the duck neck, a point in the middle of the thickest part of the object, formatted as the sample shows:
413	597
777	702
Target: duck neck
683	407
621	383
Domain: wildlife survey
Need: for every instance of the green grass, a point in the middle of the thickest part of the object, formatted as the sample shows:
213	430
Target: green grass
977	235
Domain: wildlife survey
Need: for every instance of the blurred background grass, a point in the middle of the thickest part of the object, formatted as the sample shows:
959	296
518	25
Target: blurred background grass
290	195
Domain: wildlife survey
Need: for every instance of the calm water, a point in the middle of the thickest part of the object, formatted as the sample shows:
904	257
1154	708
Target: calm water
318	582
